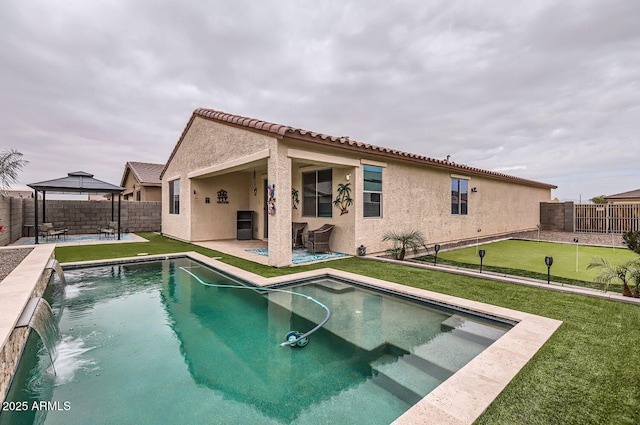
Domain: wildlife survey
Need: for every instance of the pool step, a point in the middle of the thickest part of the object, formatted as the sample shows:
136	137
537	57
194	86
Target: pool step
350	405
334	286
410	378
400	381
475	331
449	351
414	375
396	389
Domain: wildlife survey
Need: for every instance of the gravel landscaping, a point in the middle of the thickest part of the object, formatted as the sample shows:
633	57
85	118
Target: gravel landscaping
10	258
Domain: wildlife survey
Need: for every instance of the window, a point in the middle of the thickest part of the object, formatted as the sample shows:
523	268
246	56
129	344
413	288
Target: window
138	197
459	196
174	196
372	196
317	194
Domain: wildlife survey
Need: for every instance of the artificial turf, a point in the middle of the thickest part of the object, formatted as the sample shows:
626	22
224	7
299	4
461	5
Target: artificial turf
529	256
587	373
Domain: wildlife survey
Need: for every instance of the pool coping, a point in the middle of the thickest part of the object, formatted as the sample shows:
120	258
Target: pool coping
17	287
463	397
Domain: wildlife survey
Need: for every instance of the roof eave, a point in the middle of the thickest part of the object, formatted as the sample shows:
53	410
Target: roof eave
345	144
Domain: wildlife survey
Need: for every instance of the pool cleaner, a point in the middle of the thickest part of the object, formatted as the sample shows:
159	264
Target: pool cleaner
293	338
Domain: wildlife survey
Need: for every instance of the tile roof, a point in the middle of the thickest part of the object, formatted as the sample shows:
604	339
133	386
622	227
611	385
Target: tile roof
625	195
145	172
343	143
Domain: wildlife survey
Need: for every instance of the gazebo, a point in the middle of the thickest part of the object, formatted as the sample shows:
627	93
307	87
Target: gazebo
76	182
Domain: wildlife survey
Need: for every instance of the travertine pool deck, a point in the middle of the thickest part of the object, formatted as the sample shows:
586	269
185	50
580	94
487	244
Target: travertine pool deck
463	397
16	288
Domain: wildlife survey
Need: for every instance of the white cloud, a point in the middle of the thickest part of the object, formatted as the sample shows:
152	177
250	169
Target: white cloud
546	90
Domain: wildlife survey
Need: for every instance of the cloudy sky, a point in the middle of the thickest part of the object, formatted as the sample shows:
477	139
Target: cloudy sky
547	90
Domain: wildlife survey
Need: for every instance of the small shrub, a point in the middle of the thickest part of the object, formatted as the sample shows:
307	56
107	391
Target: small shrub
632	240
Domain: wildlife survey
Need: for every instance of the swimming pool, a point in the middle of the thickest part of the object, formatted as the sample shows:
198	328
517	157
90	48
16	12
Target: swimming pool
146	343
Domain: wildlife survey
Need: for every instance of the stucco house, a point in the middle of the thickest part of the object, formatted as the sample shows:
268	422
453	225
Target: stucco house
632	196
142	181
225	163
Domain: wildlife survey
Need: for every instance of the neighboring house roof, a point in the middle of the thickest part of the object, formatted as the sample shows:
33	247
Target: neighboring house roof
18	193
146	173
344	143
78	181
632	194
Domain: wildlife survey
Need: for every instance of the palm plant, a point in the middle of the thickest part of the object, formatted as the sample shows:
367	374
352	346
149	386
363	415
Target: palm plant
635	278
412	239
611	273
11	163
343	200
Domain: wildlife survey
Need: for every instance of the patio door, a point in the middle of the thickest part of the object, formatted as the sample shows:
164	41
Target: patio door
265	211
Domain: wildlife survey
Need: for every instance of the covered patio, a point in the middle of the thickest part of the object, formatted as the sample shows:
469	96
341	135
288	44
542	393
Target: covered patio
219	193
257	251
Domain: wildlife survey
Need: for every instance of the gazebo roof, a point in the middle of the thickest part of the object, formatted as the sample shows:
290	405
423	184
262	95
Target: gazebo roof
78	181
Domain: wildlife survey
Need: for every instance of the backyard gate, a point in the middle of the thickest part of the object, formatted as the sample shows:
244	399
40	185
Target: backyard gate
606	218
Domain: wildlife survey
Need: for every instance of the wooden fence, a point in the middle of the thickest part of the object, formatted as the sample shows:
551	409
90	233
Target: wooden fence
606	218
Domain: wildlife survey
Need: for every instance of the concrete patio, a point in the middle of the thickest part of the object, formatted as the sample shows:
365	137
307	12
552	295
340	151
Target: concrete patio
238	248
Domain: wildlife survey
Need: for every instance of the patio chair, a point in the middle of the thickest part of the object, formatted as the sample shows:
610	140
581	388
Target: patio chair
110	229
47	229
318	240
296	233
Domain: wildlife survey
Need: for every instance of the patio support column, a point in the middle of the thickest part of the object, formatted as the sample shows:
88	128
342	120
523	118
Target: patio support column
113	195
279	174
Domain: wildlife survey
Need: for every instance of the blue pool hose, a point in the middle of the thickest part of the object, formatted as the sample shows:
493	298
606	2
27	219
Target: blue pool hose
301	340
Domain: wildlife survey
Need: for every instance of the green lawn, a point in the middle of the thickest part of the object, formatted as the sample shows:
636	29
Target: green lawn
529	256
588	372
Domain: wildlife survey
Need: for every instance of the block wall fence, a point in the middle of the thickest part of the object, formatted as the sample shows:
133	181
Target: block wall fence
80	217
557	216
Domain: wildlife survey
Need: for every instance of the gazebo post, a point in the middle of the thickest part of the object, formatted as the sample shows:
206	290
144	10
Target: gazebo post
35	220
119	212
44	206
112	205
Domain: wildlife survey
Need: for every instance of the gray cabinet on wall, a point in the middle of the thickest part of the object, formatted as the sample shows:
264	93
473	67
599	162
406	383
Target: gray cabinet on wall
244	225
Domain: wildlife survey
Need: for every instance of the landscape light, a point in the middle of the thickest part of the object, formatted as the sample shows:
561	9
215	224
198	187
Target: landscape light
481	253
549	262
436	248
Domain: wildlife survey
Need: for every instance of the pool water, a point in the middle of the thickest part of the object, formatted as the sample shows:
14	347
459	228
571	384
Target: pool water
146	343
